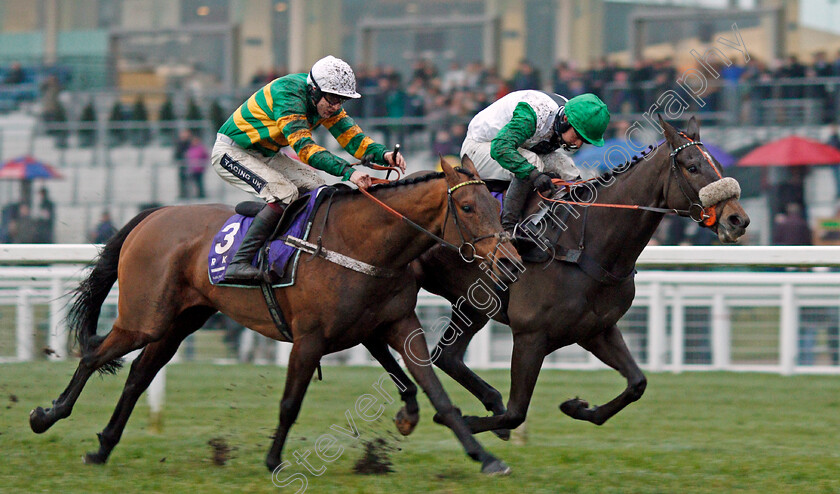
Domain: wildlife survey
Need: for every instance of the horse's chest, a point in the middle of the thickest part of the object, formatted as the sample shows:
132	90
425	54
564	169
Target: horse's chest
607	304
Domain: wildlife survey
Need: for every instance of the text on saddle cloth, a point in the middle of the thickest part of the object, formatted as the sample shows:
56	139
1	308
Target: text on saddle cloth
227	241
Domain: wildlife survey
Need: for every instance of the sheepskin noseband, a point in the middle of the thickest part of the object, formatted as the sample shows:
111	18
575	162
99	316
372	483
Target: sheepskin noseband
719	190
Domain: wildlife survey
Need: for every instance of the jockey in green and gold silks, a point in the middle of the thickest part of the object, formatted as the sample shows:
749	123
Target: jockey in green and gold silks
280	114
248	152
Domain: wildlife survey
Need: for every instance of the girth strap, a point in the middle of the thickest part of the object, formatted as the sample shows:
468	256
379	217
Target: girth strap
275	311
278	317
340	259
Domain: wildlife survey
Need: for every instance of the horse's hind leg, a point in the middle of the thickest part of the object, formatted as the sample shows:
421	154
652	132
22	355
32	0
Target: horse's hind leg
610	348
143	370
409	415
404	338
304	359
114	346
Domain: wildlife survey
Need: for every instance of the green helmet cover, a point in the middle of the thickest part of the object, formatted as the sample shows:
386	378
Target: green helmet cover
589	116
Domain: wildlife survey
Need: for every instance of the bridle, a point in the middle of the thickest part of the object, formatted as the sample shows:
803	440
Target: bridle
467	249
450	207
696	211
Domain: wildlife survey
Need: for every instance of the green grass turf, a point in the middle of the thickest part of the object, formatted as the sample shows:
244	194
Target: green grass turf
694	432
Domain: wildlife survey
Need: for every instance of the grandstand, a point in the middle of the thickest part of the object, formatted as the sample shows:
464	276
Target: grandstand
424	73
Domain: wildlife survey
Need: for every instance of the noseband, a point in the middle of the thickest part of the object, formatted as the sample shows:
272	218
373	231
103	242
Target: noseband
702	208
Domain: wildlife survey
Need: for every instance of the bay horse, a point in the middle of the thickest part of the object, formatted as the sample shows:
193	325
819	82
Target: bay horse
556	303
160	260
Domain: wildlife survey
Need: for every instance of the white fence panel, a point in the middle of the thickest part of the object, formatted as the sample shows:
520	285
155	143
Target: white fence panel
704	319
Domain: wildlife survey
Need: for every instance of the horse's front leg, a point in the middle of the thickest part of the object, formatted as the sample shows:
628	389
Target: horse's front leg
409	415
529	350
303	360
450	352
610	348
411	344
449	357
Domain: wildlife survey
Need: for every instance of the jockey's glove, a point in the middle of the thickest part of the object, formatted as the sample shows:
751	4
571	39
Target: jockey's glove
541	181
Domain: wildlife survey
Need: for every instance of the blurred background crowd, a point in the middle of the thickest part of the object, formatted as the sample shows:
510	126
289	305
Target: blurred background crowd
119	104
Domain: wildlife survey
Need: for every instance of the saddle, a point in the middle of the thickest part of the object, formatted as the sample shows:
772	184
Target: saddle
538	239
278	258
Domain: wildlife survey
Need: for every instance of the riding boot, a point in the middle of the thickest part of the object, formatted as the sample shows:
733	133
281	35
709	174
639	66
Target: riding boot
515	198
240	268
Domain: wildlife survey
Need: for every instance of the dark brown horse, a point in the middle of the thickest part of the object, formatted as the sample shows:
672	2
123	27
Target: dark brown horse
160	259
557	302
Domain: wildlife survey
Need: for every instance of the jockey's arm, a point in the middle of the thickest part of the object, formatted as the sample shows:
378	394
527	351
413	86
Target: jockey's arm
504	148
297	132
351	137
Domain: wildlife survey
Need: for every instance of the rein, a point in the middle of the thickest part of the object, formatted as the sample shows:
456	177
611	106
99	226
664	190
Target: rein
467	248
696	211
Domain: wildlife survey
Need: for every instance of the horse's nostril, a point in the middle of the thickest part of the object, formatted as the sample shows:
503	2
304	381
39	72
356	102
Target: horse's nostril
738	221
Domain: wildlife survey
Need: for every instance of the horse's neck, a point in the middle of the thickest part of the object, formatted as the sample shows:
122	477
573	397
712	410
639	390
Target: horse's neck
615	236
368	232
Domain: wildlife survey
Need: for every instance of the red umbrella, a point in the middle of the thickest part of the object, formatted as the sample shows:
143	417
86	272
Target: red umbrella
792	151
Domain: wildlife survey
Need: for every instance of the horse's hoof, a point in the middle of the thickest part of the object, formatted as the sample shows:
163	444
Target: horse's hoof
495	467
38	420
573	407
94	459
272	464
406	423
503	434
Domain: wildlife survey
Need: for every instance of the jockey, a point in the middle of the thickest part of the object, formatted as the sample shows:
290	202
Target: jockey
519	139
283	113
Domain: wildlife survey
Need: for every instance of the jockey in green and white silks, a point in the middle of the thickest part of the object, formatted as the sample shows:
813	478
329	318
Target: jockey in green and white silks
247	152
525	135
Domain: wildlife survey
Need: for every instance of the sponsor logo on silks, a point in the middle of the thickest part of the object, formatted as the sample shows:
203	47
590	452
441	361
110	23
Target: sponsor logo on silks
242	173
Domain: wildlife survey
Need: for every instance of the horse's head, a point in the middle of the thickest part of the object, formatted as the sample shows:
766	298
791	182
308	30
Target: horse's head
472	218
696	184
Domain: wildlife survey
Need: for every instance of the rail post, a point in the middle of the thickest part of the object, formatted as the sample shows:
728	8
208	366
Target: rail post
25	325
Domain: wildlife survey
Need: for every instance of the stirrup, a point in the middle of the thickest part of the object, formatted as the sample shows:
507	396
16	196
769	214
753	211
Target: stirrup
257	277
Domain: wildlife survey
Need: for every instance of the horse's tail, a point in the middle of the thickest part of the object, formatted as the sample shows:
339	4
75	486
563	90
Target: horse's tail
83	315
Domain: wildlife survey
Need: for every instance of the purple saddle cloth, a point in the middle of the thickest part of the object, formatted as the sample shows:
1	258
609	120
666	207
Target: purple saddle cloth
227	241
499	197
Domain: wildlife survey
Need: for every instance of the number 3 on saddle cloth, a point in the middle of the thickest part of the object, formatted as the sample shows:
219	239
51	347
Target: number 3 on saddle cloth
283	259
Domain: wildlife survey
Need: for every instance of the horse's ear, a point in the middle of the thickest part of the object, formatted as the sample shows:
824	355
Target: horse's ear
451	174
467	164
693	129
670	133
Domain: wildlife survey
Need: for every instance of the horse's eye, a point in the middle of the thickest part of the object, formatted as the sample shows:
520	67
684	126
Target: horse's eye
692	169
467	208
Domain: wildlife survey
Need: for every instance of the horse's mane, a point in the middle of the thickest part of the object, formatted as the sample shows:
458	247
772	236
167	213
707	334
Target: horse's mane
606	177
405	181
